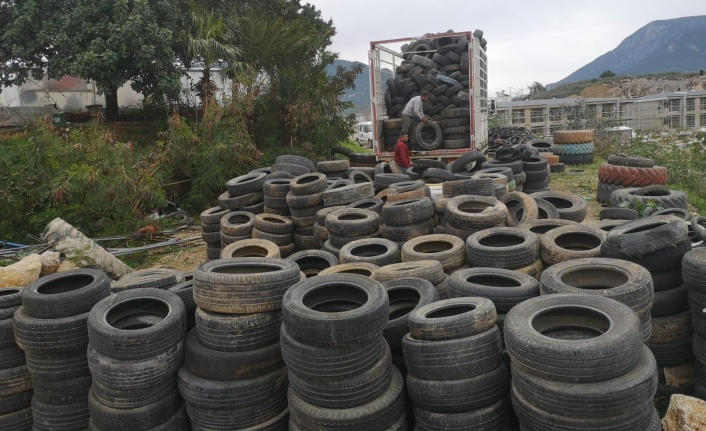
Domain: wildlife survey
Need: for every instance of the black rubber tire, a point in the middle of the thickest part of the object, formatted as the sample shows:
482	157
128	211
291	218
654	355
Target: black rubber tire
502	247
469	186
348	194
454	359
272	223
237	332
579	361
378	251
218	289
295	160
535	163
213	215
65	294
405	295
178	422
571	243
604	192
452	318
674	354
352	222
672	329
640	237
15	380
670	301
629	392
378	415
570	206
429	270
632	161
516	166
659	194
495	417
216	365
475	212
68	391
418	135
694	269
618	214
144	417
407	211
14	403
237	223
516	201
462	395
311	262
622	281
131	384
448	250
157	278
48	417
248	183
50	336
576	159
10	297
335	308
471	158
439	174
506	288
230	202
160	315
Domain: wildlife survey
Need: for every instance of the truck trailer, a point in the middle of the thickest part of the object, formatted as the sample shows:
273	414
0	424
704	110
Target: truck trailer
453	68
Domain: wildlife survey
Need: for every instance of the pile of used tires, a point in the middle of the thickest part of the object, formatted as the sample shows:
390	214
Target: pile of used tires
574	147
630	175
439	66
479	308
507	136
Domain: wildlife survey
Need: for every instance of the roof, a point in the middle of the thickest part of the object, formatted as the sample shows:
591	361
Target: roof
596	100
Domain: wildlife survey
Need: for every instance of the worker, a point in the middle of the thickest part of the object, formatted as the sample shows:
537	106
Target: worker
402	152
413	111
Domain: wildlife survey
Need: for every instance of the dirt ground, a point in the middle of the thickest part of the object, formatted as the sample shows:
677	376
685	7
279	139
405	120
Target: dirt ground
582	181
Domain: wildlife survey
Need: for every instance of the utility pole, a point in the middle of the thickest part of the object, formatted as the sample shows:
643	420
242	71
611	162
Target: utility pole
511	93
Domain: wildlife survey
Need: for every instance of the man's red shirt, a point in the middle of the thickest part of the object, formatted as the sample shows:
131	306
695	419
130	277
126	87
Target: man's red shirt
402	155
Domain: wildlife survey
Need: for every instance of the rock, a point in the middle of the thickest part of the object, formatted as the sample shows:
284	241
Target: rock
67	265
50	262
21	273
685	414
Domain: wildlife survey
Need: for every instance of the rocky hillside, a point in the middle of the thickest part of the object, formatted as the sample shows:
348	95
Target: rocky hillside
674	45
360	95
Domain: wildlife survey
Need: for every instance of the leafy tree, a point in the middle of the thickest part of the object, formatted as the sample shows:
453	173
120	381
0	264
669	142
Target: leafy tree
607	74
535	89
208	41
109	42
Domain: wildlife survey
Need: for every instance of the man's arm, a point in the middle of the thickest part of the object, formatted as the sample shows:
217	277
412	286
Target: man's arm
418	110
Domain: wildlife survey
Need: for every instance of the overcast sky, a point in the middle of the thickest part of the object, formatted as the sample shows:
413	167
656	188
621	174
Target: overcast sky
540	40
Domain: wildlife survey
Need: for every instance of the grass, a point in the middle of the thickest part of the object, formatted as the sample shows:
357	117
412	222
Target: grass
356	148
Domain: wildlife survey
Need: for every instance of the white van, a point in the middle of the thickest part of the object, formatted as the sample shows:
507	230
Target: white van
364	134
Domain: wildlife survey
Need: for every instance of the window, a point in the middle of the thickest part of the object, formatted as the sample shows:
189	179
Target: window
703	105
674	122
537	115
702	122
554	114
674	104
518	116
691	120
691	104
607	110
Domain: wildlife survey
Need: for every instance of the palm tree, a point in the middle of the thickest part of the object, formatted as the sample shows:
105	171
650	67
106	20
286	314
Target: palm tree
208	41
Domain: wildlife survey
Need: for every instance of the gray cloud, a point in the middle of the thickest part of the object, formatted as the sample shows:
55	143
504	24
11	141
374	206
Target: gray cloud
542	40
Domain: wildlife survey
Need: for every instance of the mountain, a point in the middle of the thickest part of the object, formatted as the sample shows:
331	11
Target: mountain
360	95
673	45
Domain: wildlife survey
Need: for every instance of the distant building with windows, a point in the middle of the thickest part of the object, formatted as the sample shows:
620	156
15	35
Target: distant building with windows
676	110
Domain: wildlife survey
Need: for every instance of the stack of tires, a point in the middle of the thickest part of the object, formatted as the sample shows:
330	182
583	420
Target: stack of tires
407	219
466	215
53	328
574	147
456	378
293	165
469	186
657	243
304	199
136	347
185	291
236	226
244	193
234	376
623	171
347	193
694	273
513	170
275	191
456	128
537	174
15	381
211	225
346	225
625	282
562	379
340	367
276	229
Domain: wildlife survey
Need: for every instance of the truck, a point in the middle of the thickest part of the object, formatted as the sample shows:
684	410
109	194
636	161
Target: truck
453	68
